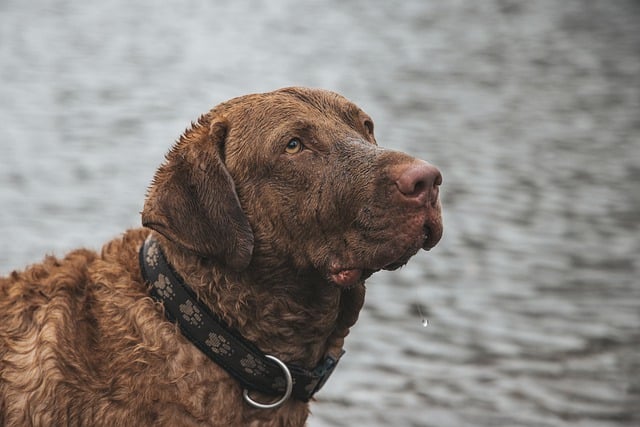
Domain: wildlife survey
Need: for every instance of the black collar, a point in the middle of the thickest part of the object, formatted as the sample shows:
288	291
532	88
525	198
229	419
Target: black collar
240	358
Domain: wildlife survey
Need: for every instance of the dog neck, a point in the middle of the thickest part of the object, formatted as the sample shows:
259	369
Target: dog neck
270	308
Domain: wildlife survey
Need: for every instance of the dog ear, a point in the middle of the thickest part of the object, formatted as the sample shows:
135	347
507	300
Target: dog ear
192	200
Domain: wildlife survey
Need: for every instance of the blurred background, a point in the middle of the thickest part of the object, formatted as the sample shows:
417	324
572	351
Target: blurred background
530	109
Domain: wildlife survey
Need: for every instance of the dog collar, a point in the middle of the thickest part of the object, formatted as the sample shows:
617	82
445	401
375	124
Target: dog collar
226	347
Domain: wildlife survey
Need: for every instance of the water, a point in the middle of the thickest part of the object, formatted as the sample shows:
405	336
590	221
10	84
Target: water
531	110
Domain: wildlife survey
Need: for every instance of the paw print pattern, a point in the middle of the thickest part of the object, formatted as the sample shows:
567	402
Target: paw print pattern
191	314
164	287
152	255
218	344
253	366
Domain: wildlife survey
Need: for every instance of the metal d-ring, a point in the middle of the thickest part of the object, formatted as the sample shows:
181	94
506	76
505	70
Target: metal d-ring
287	392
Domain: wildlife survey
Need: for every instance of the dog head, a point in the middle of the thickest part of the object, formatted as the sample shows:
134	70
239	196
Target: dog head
294	178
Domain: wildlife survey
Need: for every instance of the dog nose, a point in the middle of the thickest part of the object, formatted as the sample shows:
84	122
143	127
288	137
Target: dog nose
419	182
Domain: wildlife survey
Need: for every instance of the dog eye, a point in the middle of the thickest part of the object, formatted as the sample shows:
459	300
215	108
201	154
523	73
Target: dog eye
294	146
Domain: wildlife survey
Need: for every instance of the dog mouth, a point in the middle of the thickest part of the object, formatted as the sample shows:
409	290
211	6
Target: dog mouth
350	276
431	236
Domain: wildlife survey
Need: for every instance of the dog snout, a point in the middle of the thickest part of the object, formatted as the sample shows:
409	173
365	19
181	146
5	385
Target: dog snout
418	183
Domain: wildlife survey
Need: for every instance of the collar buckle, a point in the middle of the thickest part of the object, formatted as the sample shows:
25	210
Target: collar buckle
287	392
324	370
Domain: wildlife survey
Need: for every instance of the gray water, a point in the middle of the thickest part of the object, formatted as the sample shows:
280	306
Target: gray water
530	108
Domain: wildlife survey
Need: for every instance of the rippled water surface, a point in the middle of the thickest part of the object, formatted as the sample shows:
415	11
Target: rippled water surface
531	110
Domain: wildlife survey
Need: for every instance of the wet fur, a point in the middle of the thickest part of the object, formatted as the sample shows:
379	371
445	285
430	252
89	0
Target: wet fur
254	231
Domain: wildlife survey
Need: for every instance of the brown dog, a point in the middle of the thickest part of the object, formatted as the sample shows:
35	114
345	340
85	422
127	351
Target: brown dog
273	209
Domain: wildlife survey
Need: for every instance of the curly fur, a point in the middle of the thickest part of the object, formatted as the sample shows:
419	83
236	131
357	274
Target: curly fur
277	244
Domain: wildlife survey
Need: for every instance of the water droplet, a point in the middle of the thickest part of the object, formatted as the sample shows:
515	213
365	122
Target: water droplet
425	322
